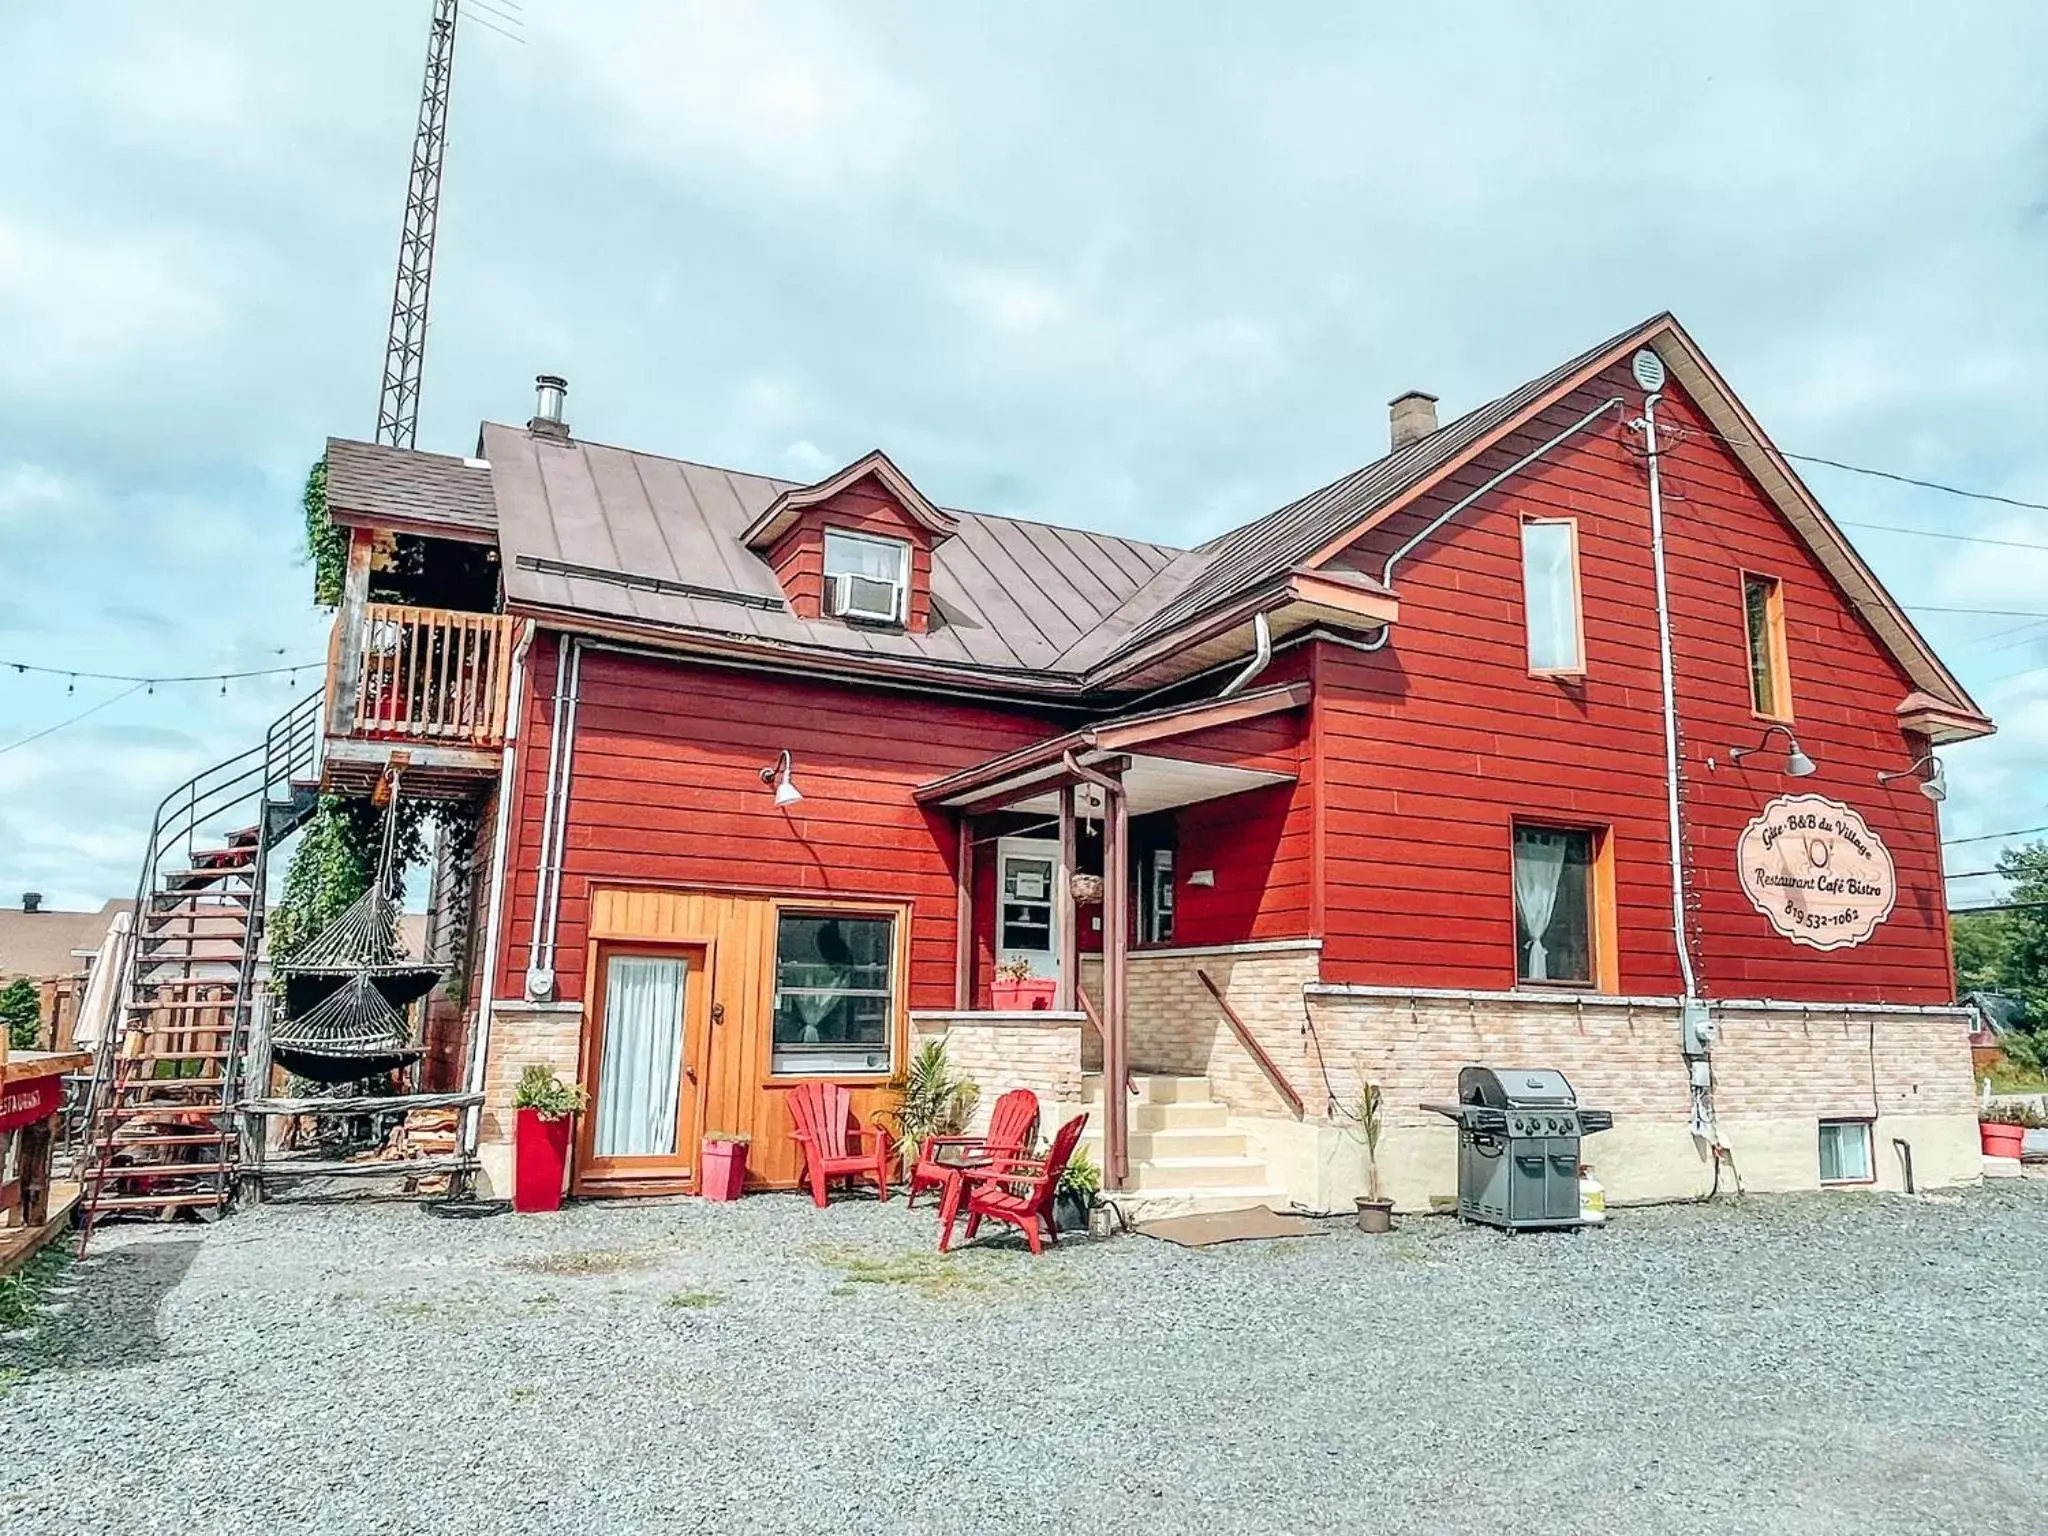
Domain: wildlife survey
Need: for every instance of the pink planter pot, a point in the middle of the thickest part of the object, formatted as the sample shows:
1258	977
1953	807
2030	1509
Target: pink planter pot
540	1159
2001	1140
1028	996
725	1169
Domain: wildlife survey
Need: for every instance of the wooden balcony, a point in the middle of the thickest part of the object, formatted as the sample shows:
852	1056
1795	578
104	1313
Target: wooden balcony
426	689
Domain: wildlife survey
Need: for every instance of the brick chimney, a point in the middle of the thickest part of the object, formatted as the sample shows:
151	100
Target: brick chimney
551	391
31	901
1411	417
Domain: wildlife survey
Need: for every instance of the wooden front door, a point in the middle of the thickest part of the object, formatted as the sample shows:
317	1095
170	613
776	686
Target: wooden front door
644	1064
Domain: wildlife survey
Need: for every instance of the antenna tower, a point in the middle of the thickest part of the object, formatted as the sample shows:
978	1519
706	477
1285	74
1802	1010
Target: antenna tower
405	353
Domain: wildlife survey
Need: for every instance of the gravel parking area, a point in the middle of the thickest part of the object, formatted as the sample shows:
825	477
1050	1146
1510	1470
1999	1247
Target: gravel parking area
1800	1364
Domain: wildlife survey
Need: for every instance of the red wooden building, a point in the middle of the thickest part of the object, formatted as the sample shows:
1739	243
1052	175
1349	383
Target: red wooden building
1570	732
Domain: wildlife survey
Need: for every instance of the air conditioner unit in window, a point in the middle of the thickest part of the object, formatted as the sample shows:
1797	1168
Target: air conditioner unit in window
863	597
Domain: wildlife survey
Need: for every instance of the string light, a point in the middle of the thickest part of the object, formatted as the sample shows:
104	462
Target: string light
223	678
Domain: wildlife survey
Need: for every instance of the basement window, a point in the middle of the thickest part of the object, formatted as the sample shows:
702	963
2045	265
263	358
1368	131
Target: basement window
1845	1152
835	996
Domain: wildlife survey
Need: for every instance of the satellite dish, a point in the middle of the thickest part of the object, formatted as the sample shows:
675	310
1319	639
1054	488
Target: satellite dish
1648	368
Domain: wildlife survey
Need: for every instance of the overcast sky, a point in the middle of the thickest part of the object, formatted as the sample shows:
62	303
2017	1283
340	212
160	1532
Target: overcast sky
1147	267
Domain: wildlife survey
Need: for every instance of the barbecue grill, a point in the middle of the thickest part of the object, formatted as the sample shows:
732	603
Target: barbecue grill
1518	1146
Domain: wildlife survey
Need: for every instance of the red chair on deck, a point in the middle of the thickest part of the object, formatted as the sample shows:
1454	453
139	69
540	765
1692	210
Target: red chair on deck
1020	1191
1012	1129
821	1120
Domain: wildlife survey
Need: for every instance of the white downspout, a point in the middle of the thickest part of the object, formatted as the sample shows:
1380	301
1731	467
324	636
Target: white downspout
480	1040
562	815
1696	1021
1262	656
554	829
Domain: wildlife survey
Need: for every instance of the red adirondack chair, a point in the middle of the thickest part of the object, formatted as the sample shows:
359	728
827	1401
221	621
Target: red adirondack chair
821	1120
1011	1129
1020	1190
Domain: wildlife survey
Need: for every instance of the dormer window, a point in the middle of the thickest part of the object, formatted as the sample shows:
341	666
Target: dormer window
866	578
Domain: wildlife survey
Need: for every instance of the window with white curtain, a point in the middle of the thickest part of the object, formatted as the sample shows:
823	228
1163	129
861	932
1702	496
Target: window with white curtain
640	1062
1550	594
875	574
1845	1152
835	996
1553	906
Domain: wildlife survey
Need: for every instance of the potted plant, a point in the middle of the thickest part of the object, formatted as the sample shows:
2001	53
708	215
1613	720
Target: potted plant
1016	990
2002	1128
542	1105
1375	1210
935	1102
1074	1196
725	1165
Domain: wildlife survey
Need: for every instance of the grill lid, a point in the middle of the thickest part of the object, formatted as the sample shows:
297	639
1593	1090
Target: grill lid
1515	1088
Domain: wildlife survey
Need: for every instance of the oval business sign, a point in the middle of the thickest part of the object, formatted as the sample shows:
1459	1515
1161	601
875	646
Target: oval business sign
1817	871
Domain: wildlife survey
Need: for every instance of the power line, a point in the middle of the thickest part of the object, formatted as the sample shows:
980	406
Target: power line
1991	837
1929	533
1864	469
61	724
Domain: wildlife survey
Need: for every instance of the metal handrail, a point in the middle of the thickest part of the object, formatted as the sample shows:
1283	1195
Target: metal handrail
1256	1051
289	750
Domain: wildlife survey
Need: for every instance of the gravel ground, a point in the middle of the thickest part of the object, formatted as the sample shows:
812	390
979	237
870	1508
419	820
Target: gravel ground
1799	1364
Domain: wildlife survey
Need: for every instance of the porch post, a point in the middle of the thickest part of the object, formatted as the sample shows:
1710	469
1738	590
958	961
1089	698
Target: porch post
963	917
1069	924
345	648
1116	1065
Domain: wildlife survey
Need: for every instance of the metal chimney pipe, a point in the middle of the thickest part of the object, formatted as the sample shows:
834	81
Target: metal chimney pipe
551	391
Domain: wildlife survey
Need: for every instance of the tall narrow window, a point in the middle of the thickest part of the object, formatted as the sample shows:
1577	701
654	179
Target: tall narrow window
1770	682
1155	898
1553	906
1550	595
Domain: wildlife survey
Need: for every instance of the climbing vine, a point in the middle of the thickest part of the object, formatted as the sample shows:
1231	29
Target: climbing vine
337	855
326	544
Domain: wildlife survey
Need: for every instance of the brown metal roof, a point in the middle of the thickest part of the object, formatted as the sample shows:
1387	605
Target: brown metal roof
40	944
657	542
1241	559
430	493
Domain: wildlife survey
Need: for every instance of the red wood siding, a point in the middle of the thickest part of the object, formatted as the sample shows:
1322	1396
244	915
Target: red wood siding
798	557
1431	749
1260	847
667	790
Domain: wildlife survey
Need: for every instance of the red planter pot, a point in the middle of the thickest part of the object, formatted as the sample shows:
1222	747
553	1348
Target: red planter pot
725	1169
540	1159
1028	996
2001	1140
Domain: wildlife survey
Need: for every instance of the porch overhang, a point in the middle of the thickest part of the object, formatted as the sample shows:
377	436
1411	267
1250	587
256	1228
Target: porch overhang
1031	777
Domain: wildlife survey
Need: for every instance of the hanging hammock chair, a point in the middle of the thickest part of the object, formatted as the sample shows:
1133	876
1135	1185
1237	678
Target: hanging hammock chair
351	1033
363	941
345	994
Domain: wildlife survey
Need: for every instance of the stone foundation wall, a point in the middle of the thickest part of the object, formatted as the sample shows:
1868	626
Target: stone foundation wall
1177	1028
522	1034
1000	1051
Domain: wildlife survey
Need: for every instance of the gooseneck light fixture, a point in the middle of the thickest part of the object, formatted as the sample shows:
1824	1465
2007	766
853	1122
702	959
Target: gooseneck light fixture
1934	786
778	774
1797	764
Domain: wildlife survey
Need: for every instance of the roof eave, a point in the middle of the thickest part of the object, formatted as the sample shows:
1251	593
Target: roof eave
791	504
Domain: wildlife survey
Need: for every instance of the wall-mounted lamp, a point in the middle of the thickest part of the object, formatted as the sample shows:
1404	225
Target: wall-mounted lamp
1934	786
778	774
1797	764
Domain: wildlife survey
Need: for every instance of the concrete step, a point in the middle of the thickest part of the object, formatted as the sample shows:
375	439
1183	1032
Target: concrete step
1198	1173
1195	1116
1151	1088
1175	1142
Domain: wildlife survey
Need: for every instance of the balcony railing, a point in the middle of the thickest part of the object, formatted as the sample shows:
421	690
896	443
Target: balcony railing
425	675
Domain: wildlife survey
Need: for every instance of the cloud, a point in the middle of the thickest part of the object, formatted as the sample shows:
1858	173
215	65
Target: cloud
1061	260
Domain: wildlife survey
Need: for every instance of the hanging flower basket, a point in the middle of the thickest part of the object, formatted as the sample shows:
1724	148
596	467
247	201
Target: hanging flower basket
1087	889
